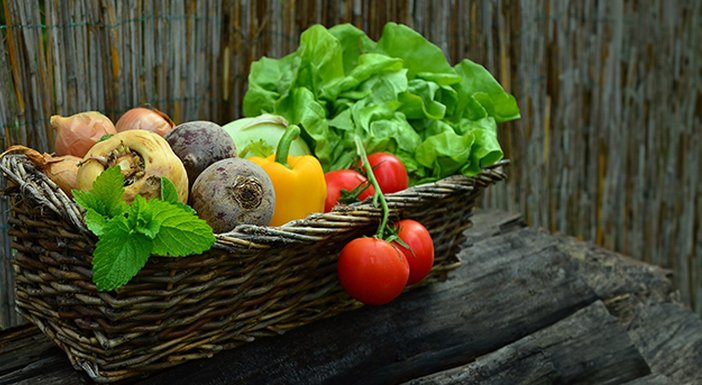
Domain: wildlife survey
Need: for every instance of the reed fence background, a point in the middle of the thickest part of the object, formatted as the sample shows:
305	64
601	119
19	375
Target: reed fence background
608	147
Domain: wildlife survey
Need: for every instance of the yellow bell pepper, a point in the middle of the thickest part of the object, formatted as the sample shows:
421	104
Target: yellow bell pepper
298	181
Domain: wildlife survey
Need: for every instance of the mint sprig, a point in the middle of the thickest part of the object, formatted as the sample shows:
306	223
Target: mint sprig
169	193
119	255
106	195
178	233
129	234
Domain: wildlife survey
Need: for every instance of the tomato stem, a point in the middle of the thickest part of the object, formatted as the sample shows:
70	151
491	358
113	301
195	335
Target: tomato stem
361	151
281	153
352	195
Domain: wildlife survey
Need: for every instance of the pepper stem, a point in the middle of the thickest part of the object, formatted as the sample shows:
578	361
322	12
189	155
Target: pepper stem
378	193
281	153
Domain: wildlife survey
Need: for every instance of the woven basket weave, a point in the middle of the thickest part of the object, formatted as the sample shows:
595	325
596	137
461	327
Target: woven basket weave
256	281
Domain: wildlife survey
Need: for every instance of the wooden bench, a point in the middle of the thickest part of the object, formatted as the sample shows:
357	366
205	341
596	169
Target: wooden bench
526	307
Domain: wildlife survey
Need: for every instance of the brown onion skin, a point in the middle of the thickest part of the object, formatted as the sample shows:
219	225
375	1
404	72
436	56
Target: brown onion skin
76	134
63	170
141	118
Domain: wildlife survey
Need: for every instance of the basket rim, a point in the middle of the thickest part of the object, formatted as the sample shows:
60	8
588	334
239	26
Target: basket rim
314	228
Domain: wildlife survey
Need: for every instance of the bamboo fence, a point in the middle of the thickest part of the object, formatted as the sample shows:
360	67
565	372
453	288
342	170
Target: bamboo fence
608	147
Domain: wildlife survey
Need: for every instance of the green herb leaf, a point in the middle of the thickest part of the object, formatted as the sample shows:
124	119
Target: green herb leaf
119	255
89	201
106	195
95	221
141	219
169	193
181	233
129	234
104	137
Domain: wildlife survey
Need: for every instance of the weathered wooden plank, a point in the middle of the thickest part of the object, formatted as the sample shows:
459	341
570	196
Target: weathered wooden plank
588	347
613	275
608	274
26	340
50	369
652	379
27	357
668	336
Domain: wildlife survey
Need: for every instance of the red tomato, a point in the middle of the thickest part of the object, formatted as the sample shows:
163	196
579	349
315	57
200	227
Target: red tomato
344	180
372	270
419	241
389	171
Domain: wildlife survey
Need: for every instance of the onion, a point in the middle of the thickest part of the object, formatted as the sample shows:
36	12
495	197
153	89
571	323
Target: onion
148	119
75	134
63	170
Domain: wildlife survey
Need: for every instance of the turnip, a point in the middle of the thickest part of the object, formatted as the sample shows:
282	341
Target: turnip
143	157
198	144
233	191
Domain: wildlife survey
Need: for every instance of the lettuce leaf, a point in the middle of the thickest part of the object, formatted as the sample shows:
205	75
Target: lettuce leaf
354	43
477	85
416	52
399	94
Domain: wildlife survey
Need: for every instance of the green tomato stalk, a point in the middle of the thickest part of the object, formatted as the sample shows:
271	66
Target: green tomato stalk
361	151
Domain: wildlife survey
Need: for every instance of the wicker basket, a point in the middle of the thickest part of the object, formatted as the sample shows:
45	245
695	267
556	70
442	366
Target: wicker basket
256	281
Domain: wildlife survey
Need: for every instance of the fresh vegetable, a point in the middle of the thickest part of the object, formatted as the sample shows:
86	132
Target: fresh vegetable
62	170
76	134
198	144
258	136
345	186
420	254
233	191
390	172
143	157
129	234
148	119
300	188
378	197
372	270
399	95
